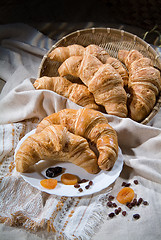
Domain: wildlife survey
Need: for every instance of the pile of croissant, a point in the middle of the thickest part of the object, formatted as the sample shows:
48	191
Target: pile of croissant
126	86
68	136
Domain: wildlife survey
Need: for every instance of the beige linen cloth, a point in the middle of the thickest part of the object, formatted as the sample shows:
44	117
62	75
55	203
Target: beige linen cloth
27	213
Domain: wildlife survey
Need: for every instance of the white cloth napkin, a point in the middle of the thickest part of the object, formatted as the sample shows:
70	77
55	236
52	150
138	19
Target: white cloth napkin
21	205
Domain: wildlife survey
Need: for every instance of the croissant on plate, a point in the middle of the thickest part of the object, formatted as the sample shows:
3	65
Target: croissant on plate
144	83
55	143
91	125
101	79
78	93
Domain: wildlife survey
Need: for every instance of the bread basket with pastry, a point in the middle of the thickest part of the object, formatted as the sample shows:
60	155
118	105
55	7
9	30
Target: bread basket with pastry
81	58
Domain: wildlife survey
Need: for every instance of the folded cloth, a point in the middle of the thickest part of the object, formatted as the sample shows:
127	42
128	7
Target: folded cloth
21	205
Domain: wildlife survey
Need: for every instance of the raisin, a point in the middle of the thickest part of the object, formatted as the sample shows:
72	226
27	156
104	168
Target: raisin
136	182
145	202
80	190
136	216
111	215
139	201
90	183
117	211
87	187
109	204
76	185
114	204
124	213
83	180
123	184
127	184
53	171
110	197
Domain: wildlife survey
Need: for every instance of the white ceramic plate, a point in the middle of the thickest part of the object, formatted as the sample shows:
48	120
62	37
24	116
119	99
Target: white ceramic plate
100	181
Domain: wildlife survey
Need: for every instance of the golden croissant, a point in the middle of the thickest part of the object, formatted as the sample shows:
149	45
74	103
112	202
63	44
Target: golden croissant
91	125
56	143
60	54
78	93
144	83
101	79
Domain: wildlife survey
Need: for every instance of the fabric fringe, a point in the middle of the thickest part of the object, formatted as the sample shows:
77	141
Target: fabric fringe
18	219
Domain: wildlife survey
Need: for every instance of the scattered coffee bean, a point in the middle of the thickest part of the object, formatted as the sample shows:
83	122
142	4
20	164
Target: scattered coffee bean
124	213
136	216
136	182
111	215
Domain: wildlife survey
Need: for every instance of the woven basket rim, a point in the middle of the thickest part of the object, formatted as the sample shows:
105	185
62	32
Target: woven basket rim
120	32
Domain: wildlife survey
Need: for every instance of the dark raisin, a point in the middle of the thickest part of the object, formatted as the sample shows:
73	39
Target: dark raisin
124	213
136	216
145	202
110	197
111	215
127	184
139	201
129	205
54	171
76	185
134	202
114	204
87	187
136	182
117	211
83	181
90	183
123	184
80	190
109	204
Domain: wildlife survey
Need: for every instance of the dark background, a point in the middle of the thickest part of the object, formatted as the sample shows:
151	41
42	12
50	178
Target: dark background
142	14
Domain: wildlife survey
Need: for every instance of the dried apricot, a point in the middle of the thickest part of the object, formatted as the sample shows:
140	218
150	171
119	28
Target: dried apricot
125	195
69	179
49	183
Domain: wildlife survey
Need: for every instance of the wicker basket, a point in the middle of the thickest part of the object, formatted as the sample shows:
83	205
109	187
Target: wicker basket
110	39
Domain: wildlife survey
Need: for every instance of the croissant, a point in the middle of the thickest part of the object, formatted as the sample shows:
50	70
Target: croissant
91	125
144	83
77	93
56	143
60	54
117	65
102	80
